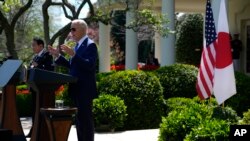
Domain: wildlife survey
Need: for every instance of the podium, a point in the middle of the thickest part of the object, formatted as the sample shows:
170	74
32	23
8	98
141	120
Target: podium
59	121
45	83
9	119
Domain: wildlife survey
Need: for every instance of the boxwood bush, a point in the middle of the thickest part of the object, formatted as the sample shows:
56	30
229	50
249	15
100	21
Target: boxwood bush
241	101
101	75
189	39
109	110
210	130
142	94
179	122
218	112
24	103
225	113
185	115
178	80
246	118
178	103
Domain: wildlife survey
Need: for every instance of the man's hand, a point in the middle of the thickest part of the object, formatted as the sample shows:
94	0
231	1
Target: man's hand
34	64
53	51
67	50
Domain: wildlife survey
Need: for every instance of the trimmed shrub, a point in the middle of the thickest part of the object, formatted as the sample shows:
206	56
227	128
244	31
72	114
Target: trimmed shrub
178	80
109	110
142	94
179	122
210	101
189	39
225	113
185	115
178	103
209	130
241	101
101	75
218	112
246	118
24	103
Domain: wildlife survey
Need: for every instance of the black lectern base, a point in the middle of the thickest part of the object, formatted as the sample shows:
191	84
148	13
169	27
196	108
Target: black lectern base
19	138
6	134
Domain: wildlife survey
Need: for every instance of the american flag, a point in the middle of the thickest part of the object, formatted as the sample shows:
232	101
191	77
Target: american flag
205	77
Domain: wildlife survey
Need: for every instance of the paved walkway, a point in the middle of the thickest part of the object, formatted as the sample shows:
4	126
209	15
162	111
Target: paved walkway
134	135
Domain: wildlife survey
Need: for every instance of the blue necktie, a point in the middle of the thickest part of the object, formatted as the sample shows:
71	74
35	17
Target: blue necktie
76	47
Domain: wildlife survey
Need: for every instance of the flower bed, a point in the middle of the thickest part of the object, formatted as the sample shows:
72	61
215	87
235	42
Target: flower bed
139	67
22	89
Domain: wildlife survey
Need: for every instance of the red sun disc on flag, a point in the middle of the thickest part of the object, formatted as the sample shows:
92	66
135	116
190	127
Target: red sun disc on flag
223	51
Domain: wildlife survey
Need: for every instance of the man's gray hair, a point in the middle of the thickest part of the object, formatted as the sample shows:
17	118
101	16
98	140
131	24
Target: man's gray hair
81	22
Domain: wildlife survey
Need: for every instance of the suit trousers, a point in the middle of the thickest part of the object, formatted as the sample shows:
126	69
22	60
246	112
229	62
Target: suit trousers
84	119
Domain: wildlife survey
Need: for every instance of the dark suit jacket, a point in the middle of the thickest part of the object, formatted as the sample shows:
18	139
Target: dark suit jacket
44	61
82	66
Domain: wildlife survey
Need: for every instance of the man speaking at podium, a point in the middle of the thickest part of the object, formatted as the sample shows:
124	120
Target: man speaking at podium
82	64
41	60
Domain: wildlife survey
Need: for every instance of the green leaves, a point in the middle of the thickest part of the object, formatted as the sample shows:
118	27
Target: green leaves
212	130
149	19
109	110
7	5
178	80
190	120
189	39
142	94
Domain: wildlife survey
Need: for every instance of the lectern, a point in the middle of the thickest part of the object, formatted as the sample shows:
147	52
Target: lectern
45	83
9	119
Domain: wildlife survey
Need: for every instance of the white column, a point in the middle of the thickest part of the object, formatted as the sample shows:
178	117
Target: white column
131	58
168	43
104	47
158	46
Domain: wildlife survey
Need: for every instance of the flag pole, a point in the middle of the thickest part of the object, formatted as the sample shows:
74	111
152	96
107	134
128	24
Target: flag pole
223	105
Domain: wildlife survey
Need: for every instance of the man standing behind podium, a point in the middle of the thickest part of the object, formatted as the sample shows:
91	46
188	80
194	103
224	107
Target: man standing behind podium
41	60
82	65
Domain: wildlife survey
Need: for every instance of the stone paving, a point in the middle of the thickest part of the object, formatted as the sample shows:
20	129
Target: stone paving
134	135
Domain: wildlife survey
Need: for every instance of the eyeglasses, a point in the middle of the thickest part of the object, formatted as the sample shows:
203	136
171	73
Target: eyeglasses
72	29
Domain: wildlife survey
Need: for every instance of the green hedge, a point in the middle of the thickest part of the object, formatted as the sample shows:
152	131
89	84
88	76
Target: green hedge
187	116
246	118
189	39
178	103
178	80
179	122
109	110
241	101
24	104
101	75
142	94
210	130
225	113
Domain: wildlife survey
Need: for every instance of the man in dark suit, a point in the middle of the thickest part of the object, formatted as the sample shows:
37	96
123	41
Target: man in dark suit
82	65
151	60
41	60
236	45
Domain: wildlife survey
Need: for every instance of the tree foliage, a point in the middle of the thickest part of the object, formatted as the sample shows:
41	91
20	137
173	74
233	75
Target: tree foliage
12	10
189	39
144	15
9	15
